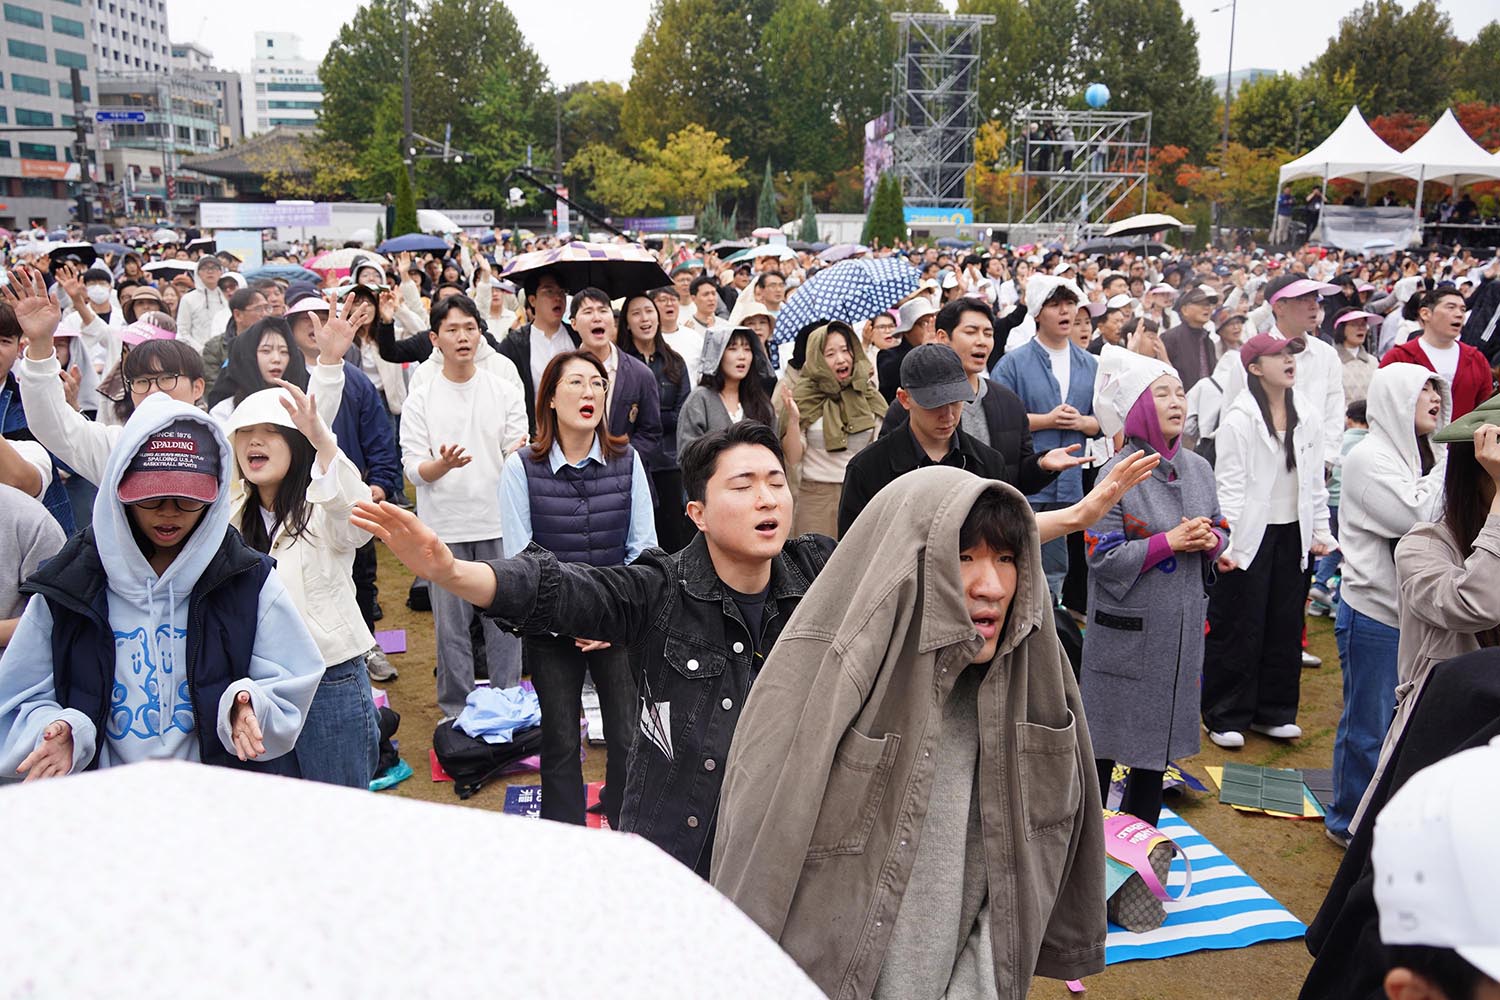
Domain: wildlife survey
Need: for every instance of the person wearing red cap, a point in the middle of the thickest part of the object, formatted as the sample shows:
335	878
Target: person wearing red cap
1269	474
1463	367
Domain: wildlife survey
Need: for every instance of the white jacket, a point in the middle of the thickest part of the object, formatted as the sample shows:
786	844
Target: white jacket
485	357
316	567
1248	457
1385	492
1320	388
196	313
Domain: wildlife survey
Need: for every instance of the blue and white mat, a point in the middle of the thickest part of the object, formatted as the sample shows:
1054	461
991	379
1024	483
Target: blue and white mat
1226	909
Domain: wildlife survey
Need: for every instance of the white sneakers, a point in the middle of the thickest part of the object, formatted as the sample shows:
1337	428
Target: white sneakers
1287	731
380	668
1229	741
1311	661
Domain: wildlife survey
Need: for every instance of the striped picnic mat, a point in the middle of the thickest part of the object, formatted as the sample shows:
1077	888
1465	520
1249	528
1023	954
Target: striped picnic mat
1226	909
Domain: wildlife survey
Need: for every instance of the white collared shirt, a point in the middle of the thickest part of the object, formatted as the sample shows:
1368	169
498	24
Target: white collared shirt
544	348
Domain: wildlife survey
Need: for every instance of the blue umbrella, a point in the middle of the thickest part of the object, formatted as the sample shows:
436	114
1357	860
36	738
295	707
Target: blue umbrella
413	243
849	291
290	272
841	251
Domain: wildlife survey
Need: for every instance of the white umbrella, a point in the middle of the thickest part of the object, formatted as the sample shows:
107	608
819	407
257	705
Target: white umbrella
430	220
344	257
778	250
165	236
1137	225
218	882
765	232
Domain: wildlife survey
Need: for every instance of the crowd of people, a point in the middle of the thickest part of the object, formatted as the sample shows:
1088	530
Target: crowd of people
1087	499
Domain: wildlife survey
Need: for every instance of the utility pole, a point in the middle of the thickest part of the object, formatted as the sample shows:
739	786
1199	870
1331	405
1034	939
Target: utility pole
407	147
1229	74
81	151
557	149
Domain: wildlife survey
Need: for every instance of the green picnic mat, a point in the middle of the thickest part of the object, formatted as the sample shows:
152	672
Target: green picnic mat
1262	788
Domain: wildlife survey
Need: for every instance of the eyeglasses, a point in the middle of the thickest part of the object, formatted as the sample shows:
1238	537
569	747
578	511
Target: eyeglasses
575	383
142	384
184	506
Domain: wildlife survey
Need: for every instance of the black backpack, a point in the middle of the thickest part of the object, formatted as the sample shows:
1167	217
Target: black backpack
471	763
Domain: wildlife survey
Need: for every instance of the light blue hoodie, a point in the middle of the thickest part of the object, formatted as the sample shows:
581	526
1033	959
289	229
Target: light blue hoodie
151	715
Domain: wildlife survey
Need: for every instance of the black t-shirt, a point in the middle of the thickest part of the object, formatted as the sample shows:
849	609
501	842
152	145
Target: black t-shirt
753	610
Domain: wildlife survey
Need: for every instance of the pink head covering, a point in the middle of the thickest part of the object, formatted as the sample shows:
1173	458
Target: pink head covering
1142	423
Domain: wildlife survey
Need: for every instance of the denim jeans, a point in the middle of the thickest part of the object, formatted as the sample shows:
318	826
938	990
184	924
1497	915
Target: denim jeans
557	668
1328	566
1054	555
1367	654
340	742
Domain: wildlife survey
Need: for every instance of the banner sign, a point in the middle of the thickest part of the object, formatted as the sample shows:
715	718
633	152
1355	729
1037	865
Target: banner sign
659	224
1385	229
246	215
880	151
928	215
55	170
471	216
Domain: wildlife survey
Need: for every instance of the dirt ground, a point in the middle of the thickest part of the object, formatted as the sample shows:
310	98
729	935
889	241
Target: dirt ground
1291	859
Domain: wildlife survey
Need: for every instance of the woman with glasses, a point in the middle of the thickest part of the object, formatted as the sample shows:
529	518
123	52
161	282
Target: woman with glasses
246	308
581	493
174	639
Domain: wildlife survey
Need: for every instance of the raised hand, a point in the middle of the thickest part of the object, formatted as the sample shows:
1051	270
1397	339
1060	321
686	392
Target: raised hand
71	281
244	728
453	456
1061	459
71	379
335	336
37	314
416	545
304	413
54	757
388	306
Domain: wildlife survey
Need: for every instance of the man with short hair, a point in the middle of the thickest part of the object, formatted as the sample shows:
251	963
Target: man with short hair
531	346
1462	366
771	291
704	295
679	337
1055	378
698	623
197	309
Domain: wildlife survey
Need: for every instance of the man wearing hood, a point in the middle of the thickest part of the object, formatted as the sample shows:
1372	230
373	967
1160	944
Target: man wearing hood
157	633
910	806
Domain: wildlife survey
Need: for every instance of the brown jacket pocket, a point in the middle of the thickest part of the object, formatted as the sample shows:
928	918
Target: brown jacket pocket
857	780
1050	789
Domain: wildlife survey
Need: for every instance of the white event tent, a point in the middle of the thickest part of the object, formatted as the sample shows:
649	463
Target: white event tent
1446	155
1353	151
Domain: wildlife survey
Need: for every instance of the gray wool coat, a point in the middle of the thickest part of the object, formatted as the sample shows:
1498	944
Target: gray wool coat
1143	647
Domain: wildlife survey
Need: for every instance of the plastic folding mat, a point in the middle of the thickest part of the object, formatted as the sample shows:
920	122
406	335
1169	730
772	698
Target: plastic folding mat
1226	909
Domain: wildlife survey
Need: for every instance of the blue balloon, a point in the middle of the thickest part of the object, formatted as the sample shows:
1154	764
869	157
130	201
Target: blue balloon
1097	95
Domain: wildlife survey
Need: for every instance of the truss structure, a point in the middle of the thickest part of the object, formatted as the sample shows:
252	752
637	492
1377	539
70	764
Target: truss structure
934	106
1078	167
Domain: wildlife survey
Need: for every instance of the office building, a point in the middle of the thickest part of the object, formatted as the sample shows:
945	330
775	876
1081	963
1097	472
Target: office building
284	87
130	36
44	41
197	63
141	163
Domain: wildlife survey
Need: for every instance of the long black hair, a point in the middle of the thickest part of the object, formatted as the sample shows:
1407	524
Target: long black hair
242	377
675	367
755	398
290	508
1258	391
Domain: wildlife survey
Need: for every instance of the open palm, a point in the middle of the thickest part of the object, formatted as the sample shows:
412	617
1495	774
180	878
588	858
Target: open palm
35	311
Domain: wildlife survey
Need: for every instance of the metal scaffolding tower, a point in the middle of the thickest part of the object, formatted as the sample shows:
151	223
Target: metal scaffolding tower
1077	167
934	87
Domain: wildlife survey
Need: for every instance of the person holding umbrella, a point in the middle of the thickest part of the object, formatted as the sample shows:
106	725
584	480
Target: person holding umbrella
532	345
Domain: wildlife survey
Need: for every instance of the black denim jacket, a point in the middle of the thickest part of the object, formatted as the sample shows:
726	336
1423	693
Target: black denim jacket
692	656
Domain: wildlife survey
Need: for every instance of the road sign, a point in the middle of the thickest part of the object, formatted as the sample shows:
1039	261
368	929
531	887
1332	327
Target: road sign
118	117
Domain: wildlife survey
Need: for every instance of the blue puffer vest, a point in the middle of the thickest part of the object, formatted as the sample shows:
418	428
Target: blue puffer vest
222	616
13	428
581	515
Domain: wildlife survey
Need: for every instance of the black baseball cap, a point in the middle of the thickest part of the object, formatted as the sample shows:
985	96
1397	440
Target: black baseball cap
933	376
180	460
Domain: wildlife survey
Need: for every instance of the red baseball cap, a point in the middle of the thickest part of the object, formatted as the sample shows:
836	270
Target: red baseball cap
1263	344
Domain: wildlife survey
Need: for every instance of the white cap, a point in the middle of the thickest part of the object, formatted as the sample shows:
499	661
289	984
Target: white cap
1123	376
913	310
950	280
1039	289
1121	301
1437	873
1406	288
1162	288
1063	268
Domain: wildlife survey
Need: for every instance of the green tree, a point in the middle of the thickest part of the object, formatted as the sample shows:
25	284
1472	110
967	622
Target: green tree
886	223
711	225
797	43
362	65
591	114
1478	69
699	61
1401	60
693	167
1147	54
1285	111
1010	73
765	206
621	184
809	231
406	206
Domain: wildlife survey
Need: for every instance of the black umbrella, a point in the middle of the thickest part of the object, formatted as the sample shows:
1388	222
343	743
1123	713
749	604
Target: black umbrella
619	269
96	231
85	252
1116	244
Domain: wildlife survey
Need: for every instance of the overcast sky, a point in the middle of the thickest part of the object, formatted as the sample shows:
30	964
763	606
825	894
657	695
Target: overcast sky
594	39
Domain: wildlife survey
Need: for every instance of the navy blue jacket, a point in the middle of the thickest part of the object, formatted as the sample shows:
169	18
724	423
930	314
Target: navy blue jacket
222	622
635	409
581	514
363	430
